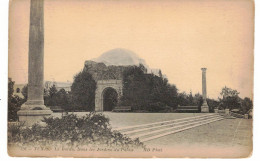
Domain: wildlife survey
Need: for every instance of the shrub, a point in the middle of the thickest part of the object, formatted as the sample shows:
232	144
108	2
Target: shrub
14	102
92	129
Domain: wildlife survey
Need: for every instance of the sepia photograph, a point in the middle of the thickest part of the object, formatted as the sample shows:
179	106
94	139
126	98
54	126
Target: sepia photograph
131	78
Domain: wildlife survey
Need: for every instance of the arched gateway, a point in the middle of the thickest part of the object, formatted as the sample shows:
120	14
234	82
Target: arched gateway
102	87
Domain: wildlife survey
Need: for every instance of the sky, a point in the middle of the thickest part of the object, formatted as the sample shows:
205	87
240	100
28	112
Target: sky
178	37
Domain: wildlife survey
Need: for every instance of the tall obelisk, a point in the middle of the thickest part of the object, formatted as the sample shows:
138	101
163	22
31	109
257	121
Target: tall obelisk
34	109
204	107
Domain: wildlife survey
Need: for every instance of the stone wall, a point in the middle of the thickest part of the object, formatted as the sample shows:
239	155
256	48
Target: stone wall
100	71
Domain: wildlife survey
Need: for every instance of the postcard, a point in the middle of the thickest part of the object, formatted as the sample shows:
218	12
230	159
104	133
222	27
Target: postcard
131	78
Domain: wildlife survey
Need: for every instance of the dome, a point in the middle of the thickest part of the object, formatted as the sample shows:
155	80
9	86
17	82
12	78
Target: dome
121	57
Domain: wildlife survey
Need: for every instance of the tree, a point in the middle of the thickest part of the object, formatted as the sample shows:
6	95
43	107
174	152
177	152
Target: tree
83	91
212	103
62	99
230	98
10	88
25	92
160	73
51	98
197	100
247	104
228	92
183	99
147	92
14	102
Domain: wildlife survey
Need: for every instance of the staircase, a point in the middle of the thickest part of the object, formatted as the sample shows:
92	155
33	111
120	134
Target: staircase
155	130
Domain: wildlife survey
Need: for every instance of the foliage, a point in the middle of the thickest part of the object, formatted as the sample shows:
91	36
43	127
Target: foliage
25	92
247	104
59	98
157	106
53	97
228	92
212	103
72	130
83	91
190	100
14	102
10	87
147	92
230	99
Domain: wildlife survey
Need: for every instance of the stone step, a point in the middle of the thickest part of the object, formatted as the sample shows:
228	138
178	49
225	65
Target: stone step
171	124
146	132
129	128
164	130
178	130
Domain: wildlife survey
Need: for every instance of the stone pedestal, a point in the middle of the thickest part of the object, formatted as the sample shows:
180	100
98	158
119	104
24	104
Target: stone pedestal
30	117
34	109
205	107
227	111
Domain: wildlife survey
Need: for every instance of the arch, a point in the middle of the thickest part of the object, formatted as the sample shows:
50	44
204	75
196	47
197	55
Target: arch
102	86
109	98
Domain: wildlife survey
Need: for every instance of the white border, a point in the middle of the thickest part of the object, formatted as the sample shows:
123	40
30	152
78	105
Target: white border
4	75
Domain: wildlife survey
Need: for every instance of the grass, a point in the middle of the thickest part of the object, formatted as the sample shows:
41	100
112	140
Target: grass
225	138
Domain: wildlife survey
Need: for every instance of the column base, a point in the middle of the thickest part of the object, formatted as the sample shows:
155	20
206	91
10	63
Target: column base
34	105
30	117
227	111
97	109
205	109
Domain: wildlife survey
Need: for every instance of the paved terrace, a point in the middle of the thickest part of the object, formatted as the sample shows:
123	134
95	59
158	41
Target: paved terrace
224	138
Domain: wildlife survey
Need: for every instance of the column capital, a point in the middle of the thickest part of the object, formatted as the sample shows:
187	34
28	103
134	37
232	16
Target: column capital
204	69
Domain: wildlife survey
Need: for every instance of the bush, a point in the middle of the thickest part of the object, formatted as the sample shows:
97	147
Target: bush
92	129
14	102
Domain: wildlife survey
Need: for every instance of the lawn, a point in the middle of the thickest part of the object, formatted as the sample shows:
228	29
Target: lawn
226	138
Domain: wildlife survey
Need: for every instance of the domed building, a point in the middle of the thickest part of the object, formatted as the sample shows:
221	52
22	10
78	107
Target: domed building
111	64
120	57
107	70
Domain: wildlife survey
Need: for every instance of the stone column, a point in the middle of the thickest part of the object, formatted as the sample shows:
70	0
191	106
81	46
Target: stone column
34	109
204	107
